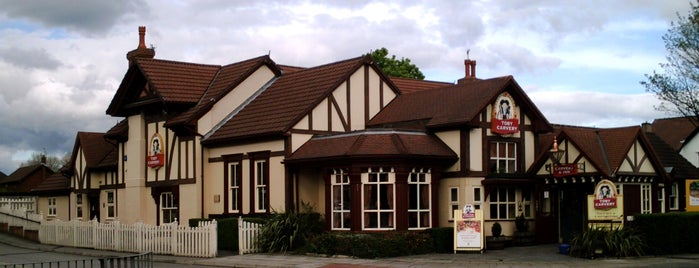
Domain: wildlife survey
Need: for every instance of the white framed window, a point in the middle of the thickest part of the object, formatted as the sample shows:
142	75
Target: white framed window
419	199
378	195
260	175
503	203
341	198
674	200
477	196
234	182
52	208
453	200
646	205
168	207
79	206
661	199
503	157
525	205
111	205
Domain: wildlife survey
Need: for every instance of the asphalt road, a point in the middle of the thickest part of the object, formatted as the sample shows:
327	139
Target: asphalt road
15	255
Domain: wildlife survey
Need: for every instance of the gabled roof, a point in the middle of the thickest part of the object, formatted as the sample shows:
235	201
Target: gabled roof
605	148
97	151
674	131
281	105
227	78
459	104
407	85
23	172
673	162
168	82
373	143
54	184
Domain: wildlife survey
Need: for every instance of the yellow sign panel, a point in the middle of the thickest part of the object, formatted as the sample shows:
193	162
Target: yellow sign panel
468	230
608	214
692	195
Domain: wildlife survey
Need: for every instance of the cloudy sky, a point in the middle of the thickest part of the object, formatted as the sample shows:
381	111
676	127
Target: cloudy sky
580	61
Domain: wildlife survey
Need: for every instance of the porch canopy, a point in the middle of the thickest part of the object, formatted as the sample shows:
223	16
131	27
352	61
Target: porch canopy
383	144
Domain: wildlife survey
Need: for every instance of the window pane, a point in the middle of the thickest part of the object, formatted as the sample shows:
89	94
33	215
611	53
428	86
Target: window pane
424	196
477	194
413	197
454	194
502	213
493	211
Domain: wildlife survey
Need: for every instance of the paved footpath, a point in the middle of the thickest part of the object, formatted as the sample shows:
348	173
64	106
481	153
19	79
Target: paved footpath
531	256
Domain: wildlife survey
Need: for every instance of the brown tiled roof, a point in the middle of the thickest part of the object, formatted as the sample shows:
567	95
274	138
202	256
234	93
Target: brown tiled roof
119	132
605	148
285	102
454	105
373	143
674	130
407	85
227	78
178	81
290	69
53	184
171	81
671	159
23	172
98	152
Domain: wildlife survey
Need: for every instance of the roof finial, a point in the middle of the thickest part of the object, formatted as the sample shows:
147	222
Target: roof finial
467	52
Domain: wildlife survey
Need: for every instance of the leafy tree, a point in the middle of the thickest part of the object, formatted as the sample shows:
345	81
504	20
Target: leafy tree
395	67
678	86
53	162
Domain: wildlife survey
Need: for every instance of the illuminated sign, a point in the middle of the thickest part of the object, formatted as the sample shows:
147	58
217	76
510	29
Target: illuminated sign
156	155
504	119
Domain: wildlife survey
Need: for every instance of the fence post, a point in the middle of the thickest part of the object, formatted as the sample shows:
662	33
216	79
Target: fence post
241	236
173	238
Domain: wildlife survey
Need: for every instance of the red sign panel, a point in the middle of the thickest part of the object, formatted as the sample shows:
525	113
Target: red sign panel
505	126
565	170
604	203
157	160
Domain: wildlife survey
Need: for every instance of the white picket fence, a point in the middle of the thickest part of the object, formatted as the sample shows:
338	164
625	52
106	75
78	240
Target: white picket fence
247	236
28	203
169	239
20	217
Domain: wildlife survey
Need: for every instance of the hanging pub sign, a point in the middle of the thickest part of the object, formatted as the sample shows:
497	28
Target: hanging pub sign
605	195
156	153
565	170
504	119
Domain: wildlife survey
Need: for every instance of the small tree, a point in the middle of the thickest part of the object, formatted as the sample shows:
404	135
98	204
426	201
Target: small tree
678	86
496	229
395	67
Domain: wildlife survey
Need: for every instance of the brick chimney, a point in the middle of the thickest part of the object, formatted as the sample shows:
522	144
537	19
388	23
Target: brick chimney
141	51
470	71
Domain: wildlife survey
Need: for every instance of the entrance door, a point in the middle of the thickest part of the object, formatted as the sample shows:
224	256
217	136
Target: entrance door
572	210
94	203
546	215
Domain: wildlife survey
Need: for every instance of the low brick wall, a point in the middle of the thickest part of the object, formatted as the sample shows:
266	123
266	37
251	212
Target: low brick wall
17	230
32	235
4	227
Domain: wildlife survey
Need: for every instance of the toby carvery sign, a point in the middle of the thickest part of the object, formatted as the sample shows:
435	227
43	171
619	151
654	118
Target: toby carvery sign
504	118
156	156
605	195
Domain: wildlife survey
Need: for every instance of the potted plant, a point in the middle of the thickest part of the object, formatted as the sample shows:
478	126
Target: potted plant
523	236
496	241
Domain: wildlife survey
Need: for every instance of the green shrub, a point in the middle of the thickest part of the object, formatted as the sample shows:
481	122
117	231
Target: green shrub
620	242
496	229
669	233
443	239
289	231
372	245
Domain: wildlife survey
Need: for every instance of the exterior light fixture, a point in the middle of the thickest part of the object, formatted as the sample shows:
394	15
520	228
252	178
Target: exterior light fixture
556	154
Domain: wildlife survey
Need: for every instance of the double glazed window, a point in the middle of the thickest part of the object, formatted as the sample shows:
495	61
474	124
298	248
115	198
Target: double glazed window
111	205
674	193
79	205
234	182
52	206
341	199
503	203
378	195
261	192
646	207
502	157
168	207
419	200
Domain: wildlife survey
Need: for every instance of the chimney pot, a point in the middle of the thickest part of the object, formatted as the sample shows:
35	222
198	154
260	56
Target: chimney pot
141	36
